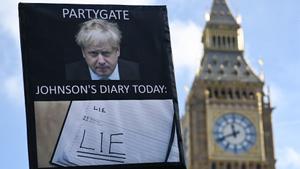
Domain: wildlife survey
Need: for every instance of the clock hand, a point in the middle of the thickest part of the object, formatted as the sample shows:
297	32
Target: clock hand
225	136
233	128
234	134
234	131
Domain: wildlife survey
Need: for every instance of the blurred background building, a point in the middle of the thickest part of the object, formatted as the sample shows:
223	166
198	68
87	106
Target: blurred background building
227	124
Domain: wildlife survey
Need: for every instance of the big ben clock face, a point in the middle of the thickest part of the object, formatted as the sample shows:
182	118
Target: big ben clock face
234	133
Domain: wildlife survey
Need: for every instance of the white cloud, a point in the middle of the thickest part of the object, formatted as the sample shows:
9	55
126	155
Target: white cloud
288	158
187	51
9	17
13	88
186	45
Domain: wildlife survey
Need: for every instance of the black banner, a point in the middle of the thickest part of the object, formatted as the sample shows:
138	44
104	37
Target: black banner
99	87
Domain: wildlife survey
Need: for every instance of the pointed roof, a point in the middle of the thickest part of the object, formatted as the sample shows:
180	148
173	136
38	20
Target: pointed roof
220	14
227	67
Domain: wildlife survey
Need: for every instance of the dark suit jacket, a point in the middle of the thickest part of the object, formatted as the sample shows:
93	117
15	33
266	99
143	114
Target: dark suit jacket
79	70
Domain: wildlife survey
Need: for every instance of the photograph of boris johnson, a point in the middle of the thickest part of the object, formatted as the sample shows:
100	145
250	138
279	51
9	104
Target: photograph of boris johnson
84	49
99	41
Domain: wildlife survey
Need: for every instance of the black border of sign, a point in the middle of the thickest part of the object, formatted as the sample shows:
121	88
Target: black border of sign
29	101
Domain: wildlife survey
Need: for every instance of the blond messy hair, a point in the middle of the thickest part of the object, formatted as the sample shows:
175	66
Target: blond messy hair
98	31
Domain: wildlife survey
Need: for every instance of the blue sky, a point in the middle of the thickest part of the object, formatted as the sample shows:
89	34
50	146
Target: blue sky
271	32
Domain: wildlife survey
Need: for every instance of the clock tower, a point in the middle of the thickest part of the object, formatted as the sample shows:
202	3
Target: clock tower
227	124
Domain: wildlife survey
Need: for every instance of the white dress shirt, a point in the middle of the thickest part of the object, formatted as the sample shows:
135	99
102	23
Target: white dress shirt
114	76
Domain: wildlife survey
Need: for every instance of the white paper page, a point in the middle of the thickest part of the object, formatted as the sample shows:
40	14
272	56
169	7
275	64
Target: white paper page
116	132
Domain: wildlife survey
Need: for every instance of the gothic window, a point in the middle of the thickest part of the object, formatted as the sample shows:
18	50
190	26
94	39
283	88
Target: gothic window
213	165
258	166
224	41
229	42
214	62
223	93
216	92
214	40
233	41
245	94
243	166
219	41
221	164
230	94
236	165
250	166
235	72
237	94
228	166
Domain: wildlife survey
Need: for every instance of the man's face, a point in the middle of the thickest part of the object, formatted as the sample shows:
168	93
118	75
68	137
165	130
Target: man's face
102	58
